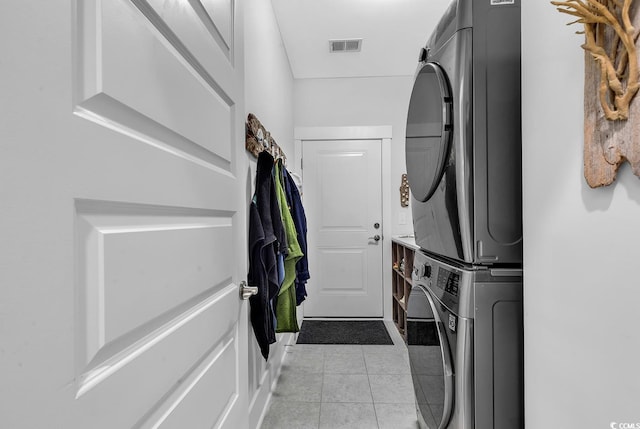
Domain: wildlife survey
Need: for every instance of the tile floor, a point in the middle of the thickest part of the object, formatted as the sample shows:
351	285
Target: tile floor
344	386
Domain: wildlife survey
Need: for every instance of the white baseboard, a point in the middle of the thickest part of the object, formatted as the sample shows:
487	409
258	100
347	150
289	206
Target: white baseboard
261	399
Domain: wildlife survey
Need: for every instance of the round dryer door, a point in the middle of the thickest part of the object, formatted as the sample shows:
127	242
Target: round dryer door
429	131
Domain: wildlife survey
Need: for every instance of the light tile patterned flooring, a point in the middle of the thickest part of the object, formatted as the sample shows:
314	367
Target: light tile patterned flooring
344	386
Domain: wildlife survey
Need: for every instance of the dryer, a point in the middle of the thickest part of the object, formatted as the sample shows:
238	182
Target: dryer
463	135
465	343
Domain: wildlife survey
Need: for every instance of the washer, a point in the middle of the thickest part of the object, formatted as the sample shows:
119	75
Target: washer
465	342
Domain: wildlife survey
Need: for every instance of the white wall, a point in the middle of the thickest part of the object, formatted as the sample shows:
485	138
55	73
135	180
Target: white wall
581	257
268	78
361	102
268	95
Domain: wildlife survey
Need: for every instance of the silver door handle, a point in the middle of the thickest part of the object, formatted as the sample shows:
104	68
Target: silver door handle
375	237
247	291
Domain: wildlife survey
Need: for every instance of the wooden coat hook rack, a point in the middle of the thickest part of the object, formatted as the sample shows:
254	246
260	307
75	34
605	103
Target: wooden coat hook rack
258	139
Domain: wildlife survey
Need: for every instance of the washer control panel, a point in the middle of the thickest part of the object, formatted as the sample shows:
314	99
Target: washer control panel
448	281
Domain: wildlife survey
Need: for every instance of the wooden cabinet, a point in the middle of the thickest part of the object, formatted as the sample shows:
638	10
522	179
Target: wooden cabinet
402	250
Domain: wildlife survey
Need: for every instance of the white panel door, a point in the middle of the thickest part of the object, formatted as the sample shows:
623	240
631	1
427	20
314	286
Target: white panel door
122	222
343	204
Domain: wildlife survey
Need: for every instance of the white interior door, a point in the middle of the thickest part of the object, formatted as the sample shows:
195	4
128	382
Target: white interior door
343	204
123	232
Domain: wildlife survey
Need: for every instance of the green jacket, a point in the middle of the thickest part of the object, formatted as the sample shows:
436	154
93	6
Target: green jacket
286	306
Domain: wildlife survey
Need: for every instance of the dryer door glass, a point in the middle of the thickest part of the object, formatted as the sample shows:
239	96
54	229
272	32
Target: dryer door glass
430	359
429	131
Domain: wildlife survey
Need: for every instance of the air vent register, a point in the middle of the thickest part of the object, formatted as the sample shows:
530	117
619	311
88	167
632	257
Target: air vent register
345	45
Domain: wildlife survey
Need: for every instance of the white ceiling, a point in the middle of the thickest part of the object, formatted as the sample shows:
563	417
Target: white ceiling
393	31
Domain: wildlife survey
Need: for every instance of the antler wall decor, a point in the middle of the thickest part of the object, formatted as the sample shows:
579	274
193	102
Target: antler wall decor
618	68
612	80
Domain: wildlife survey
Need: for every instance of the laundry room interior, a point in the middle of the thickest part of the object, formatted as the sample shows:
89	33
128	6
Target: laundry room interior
546	326
580	288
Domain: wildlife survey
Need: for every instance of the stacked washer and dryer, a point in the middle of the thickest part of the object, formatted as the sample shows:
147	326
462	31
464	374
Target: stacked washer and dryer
463	148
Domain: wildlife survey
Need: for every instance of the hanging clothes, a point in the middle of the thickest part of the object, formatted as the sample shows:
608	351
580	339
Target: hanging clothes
260	268
300	220
286	303
266	236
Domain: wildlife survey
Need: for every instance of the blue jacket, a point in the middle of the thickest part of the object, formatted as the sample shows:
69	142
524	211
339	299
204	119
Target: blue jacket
300	221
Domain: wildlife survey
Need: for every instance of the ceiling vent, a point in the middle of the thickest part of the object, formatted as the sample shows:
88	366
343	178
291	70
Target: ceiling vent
345	45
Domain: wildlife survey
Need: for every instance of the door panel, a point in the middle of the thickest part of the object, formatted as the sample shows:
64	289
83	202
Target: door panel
124	241
138	271
195	403
343	278
342	193
127	72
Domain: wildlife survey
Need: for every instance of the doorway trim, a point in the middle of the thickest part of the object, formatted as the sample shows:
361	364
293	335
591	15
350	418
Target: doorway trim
384	134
